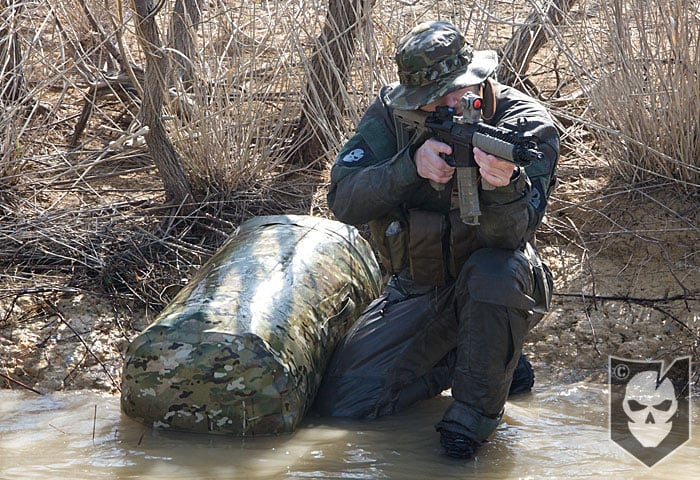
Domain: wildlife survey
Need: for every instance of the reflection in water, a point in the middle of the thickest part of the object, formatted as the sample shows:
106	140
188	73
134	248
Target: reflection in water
556	432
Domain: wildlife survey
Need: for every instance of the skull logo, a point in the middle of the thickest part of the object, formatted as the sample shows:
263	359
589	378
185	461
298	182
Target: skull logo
354	156
650	408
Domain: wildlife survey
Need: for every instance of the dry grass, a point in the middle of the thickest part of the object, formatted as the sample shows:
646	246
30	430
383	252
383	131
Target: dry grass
88	216
646	93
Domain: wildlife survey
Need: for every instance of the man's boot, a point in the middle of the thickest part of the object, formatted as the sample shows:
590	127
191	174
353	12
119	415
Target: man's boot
523	377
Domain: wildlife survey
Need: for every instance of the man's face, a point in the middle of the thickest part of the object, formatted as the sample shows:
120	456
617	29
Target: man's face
452	99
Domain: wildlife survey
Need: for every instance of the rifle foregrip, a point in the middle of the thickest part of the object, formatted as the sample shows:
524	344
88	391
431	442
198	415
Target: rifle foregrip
516	151
494	146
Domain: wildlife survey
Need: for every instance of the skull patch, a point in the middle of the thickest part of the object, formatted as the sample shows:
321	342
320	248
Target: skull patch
353	156
650	408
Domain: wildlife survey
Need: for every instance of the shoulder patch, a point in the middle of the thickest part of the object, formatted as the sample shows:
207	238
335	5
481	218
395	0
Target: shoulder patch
353	156
536	196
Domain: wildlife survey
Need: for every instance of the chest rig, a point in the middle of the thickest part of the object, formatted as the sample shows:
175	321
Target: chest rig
429	246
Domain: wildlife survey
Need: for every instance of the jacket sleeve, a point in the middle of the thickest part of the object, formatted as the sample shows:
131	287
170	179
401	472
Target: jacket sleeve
511	214
369	177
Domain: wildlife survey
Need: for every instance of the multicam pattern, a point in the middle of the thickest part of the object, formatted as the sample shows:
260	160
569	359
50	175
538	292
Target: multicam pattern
430	51
434	59
242	348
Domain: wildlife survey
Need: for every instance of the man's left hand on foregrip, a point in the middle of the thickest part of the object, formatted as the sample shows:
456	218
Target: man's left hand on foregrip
493	170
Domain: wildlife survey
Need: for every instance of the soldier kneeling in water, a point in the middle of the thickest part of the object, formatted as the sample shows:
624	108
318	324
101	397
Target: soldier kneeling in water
461	298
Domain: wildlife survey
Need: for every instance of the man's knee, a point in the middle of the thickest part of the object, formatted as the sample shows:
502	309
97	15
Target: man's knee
343	396
498	276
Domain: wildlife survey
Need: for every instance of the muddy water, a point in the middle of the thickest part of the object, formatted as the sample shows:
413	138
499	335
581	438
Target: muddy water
559	431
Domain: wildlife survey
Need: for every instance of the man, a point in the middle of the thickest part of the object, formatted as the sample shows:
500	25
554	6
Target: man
460	298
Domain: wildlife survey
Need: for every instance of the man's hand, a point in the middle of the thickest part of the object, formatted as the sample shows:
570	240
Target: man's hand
430	165
493	170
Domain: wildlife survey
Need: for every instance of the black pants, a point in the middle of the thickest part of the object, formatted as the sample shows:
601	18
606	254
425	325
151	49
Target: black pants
416	340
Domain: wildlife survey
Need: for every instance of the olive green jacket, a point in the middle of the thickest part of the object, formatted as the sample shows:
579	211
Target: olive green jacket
371	181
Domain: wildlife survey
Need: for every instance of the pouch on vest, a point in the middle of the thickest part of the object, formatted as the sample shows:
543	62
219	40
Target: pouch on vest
464	241
390	235
425	247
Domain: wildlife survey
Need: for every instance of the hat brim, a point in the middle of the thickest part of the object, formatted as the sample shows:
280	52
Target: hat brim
482	66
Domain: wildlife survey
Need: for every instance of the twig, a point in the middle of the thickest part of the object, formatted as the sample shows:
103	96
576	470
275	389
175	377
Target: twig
38	290
638	300
648	302
57	429
584	256
98	28
87	348
676	319
17	382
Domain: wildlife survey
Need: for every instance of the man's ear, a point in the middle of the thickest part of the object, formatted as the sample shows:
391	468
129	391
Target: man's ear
488	96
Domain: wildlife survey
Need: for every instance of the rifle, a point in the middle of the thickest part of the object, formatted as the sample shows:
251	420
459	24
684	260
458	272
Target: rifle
464	132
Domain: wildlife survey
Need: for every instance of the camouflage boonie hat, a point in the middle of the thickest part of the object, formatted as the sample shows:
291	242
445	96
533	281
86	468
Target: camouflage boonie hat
434	59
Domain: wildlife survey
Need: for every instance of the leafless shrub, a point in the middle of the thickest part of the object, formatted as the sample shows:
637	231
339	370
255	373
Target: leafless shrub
644	94
79	194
